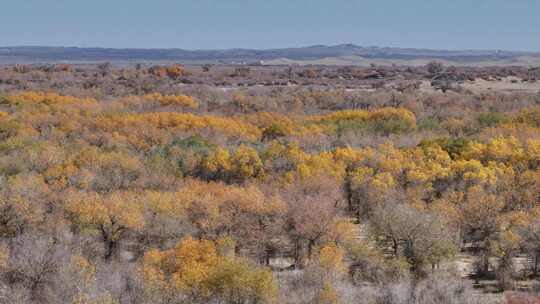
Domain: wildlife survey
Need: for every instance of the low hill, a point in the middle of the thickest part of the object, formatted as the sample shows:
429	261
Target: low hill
349	54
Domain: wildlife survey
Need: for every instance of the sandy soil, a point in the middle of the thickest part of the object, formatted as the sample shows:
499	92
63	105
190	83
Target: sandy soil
355	60
509	84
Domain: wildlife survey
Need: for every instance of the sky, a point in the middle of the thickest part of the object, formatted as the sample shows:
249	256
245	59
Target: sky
263	24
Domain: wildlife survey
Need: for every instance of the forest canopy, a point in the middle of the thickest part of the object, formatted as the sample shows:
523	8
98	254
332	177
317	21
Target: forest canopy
191	194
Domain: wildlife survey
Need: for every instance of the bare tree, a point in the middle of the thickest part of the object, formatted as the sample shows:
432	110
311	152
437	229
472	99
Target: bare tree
531	241
422	237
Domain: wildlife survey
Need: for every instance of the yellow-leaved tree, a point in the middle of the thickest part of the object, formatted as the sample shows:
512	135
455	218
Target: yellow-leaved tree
111	215
196	271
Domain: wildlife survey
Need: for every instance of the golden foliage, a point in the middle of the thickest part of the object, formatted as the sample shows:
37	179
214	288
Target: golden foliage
113	212
180	122
331	259
183	101
47	98
197	269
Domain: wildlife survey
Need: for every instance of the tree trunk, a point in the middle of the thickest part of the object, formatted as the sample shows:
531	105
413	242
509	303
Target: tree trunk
535	268
296	259
485	263
266	256
311	243
110	247
109	242
395	248
298	263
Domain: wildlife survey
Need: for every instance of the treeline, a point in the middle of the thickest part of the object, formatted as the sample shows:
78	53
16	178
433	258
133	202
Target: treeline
155	198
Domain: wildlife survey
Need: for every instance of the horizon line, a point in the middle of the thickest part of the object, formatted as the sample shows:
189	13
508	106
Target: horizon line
278	48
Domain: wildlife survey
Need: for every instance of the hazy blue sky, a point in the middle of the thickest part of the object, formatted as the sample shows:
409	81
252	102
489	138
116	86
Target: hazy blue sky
212	24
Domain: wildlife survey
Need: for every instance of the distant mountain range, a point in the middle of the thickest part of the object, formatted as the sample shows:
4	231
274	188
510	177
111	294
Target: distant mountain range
343	54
